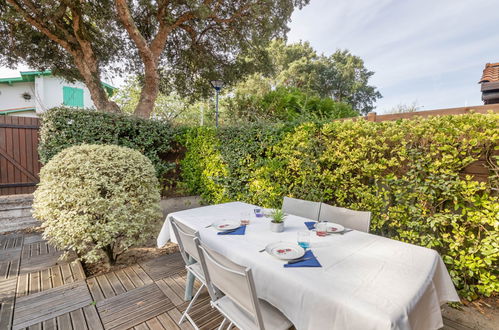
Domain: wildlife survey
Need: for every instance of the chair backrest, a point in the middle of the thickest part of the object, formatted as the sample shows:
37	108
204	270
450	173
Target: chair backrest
301	208
233	280
358	220
185	238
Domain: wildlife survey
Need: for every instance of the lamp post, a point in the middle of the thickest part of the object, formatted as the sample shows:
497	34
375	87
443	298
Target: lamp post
217	85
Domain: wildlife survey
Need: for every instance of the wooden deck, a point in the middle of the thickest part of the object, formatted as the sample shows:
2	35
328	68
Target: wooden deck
37	291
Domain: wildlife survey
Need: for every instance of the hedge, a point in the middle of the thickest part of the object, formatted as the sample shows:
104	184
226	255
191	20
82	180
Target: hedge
64	127
408	173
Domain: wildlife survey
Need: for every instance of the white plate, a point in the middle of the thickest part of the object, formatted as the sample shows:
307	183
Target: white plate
285	250
333	227
225	225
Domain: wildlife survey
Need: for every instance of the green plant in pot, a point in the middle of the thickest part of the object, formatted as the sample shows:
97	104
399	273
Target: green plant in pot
277	223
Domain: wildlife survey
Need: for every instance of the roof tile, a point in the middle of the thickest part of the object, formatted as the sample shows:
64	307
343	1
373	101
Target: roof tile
490	73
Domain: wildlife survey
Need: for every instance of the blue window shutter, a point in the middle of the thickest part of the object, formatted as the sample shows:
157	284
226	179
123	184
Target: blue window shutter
72	97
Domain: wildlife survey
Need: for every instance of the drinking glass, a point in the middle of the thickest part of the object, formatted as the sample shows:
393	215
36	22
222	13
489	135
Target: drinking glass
304	239
245	218
321	228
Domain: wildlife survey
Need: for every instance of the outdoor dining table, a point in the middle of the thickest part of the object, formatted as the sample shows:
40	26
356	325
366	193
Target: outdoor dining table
365	282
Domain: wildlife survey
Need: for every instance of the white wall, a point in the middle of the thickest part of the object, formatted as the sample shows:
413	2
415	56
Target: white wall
11	95
46	92
49	92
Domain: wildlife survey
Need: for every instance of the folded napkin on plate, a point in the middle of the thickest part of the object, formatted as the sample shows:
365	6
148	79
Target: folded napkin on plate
310	224
239	231
312	262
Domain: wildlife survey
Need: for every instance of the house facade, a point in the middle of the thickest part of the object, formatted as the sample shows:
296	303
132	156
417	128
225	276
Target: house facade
37	91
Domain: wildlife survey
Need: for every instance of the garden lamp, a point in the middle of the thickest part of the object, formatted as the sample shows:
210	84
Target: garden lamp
217	84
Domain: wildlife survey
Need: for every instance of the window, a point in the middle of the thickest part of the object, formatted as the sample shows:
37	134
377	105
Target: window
72	97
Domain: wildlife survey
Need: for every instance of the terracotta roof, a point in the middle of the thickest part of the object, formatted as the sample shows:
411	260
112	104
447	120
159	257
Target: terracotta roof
490	73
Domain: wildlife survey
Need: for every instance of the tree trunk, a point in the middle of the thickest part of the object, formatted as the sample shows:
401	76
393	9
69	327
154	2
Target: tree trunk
149	92
89	68
108	249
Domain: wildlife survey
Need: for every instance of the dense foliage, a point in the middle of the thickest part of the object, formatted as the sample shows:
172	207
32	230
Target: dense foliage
97	200
172	44
284	104
340	77
408	173
65	127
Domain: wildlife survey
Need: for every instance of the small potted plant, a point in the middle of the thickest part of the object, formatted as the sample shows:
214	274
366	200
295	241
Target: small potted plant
277	223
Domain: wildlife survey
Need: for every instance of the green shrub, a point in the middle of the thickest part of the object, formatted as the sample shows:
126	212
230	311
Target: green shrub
408	173
283	104
65	127
94	198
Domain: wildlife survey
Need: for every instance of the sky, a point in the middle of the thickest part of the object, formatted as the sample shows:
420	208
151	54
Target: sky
431	52
427	51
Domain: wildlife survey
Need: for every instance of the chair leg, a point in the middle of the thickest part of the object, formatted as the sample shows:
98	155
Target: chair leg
185	315
222	324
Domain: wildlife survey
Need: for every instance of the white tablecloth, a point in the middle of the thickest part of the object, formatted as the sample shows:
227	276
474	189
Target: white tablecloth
366	281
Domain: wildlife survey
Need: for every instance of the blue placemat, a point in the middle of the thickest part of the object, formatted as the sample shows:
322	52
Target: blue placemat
306	263
310	224
239	231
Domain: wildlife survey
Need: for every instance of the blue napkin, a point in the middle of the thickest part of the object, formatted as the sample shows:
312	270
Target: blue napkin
310	224
306	263
239	231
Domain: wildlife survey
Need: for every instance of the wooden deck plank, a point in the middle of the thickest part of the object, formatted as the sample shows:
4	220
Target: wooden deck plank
77	271
154	324
34	282
142	274
8	289
164	266
64	322
6	313
50	324
125	280
179	291
67	275
95	290
45	305
133	307
92	317
167	321
105	286
176	299
115	283
78	319
137	282
56	276
176	315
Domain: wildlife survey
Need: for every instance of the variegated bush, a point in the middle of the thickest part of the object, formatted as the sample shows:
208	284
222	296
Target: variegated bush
97	200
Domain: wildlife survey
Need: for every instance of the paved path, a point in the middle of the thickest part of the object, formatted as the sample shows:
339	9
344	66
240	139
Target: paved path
37	291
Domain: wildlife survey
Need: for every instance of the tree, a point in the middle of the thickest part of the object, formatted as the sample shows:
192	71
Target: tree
181	44
340	76
75	39
404	108
167	106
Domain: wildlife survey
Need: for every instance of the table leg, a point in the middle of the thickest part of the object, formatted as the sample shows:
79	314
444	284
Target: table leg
189	284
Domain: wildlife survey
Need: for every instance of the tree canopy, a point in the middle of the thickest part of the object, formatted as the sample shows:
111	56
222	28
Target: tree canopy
167	43
299	77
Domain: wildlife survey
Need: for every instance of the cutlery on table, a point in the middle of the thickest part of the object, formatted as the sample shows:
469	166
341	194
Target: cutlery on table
299	260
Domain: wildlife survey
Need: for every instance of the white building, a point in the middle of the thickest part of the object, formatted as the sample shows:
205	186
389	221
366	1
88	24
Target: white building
35	92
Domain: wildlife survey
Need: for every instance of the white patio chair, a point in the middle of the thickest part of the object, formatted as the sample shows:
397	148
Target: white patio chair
301	208
239	304
185	238
358	220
